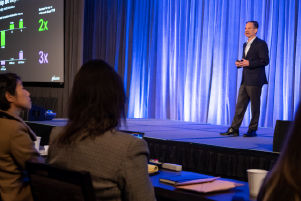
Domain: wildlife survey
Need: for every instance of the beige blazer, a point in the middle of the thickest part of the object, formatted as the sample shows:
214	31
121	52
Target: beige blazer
16	147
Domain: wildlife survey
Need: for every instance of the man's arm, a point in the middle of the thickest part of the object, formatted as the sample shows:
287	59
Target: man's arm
22	147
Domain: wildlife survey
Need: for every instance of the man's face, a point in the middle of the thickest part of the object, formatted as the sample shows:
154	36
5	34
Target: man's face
22	97
250	30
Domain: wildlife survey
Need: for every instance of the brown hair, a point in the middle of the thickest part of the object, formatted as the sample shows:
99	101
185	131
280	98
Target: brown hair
284	180
96	103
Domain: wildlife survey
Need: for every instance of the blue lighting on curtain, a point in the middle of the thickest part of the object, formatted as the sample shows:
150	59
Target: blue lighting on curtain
179	57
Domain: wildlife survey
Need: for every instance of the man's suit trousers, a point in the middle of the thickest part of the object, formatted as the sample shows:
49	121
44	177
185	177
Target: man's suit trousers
245	95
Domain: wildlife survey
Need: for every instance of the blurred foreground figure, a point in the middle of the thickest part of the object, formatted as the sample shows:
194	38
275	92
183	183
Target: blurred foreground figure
284	180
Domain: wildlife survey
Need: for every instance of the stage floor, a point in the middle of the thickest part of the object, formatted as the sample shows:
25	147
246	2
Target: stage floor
201	133
192	132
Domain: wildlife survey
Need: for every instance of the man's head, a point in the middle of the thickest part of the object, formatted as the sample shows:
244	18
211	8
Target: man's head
12	93
251	29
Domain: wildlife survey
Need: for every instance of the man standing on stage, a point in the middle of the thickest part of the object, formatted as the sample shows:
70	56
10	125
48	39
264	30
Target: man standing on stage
255	58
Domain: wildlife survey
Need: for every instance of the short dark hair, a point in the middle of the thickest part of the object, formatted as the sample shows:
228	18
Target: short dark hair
8	83
255	23
96	103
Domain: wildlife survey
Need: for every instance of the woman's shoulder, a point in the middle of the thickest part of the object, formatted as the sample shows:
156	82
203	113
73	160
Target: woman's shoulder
12	125
55	133
9	128
124	136
130	141
111	138
122	139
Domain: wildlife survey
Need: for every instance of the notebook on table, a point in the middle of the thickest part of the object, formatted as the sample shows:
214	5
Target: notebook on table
179	180
208	187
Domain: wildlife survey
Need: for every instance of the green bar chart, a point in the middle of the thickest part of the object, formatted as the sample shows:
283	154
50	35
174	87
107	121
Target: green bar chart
12	26
32	39
2	39
21	24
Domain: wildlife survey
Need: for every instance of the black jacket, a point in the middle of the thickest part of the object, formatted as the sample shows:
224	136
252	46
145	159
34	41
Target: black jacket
258	56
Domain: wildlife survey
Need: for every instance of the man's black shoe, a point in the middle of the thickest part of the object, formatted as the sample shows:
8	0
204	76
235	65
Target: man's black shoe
250	133
231	132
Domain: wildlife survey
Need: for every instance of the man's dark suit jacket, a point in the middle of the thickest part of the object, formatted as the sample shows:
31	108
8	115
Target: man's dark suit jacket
258	56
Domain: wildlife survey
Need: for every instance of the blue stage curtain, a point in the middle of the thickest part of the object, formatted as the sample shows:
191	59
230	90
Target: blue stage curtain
177	56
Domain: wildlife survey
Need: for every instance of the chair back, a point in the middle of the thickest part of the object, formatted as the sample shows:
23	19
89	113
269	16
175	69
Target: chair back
163	194
50	183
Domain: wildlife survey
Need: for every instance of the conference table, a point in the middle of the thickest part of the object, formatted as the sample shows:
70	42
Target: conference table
169	192
166	192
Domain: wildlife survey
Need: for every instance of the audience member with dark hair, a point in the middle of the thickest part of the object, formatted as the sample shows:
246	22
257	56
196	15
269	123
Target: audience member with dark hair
16	139
116	161
284	180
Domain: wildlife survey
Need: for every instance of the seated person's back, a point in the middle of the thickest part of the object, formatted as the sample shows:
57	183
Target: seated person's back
116	161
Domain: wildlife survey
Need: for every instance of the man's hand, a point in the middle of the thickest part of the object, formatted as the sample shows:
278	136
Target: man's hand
238	63
242	63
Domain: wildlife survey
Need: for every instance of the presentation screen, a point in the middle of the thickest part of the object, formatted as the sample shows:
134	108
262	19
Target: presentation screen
32	39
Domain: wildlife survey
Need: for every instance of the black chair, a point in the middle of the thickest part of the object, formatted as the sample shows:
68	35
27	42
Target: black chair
163	194
50	183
